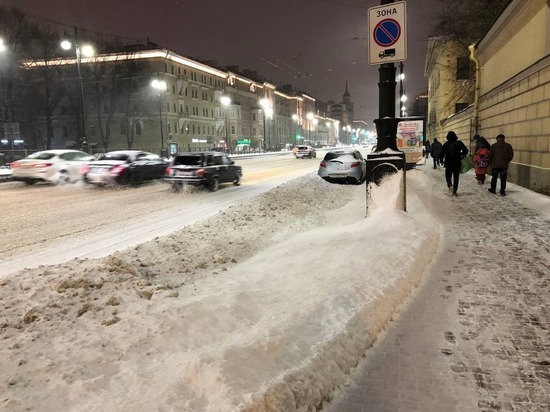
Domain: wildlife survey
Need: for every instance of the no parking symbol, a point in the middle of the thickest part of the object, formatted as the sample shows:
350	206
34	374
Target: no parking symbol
387	32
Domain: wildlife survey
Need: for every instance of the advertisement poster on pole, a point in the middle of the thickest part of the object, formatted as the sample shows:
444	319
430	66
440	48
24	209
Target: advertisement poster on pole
410	139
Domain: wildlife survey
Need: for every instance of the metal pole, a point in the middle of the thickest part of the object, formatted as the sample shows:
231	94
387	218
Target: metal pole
227	142
401	88
161	128
83	142
264	119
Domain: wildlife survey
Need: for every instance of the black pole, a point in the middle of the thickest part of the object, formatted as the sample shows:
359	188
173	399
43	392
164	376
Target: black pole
386	124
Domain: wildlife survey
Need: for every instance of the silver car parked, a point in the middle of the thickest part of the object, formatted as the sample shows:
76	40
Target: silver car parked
344	166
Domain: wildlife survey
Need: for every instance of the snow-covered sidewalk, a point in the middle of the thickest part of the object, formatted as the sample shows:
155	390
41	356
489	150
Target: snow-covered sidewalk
475	335
266	306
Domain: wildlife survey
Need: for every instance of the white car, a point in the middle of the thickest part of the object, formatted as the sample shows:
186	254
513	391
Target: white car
51	166
5	173
344	166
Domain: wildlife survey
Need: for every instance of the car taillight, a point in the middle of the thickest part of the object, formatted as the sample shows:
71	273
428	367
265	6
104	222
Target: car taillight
168	171
117	170
355	164
85	169
323	164
39	165
200	172
14	165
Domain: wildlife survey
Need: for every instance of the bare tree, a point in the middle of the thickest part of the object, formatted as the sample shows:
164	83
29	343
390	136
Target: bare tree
43	88
467	20
15	32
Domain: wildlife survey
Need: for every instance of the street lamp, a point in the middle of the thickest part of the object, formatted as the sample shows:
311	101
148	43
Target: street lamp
401	91
268	112
315	123
403	108
310	117
225	102
87	51
160	86
295	118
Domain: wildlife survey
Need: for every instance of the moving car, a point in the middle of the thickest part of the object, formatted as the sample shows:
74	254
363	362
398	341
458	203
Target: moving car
51	166
305	151
125	167
346	166
5	173
207	169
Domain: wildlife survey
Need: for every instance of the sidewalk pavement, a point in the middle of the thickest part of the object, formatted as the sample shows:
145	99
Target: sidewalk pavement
475	335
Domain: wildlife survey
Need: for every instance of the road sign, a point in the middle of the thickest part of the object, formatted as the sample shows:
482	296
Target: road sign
388	33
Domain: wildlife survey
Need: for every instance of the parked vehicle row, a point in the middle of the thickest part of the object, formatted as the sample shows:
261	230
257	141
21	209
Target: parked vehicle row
133	167
127	167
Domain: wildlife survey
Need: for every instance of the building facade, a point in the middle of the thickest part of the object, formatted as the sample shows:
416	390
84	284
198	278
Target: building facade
512	92
159	101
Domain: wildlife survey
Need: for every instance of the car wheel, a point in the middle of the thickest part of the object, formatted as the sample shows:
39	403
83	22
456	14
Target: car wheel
237	181
177	187
63	178
135	179
214	184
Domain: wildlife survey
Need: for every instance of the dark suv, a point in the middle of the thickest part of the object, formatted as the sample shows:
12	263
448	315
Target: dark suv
207	169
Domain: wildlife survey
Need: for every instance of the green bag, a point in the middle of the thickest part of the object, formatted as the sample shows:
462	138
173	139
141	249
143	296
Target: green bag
466	164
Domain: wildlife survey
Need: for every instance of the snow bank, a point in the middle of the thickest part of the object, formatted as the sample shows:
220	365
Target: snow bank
266	306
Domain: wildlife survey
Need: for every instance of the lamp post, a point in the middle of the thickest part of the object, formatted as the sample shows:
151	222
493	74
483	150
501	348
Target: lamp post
268	112
88	51
225	102
295	119
160	86
310	117
402	96
315	137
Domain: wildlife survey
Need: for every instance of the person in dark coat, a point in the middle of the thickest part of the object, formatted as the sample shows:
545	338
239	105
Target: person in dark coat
435	151
452	152
427	148
500	156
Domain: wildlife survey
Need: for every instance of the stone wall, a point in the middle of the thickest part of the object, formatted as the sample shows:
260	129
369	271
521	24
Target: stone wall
520	109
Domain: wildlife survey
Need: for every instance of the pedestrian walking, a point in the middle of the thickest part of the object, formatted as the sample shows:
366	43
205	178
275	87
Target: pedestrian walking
427	148
435	151
481	164
452	152
500	156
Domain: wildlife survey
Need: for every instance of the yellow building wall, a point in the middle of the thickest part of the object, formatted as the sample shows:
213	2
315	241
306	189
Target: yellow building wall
516	47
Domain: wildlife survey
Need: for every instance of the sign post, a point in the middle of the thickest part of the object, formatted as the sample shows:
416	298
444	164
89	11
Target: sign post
387	44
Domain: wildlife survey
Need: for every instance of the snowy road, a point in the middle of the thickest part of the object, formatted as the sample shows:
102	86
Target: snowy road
44	224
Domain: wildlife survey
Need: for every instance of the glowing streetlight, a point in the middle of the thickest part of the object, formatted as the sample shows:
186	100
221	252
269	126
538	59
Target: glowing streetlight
268	113
160	86
295	118
225	102
310	116
88	51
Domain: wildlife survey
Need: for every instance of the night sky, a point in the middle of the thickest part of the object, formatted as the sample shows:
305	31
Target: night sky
312	44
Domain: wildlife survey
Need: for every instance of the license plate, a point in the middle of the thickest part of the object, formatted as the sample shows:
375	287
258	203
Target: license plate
337	175
185	174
